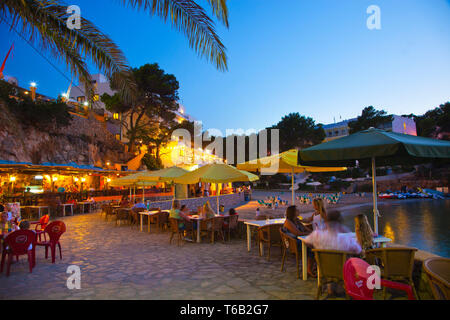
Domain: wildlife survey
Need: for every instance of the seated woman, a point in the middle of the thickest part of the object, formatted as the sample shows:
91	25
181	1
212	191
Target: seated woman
294	227
208	211
293	224
176	213
319	216
364	233
124	202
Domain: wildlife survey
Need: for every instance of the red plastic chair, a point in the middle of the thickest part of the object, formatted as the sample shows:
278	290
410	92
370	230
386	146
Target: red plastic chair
55	229
17	244
355	280
40	226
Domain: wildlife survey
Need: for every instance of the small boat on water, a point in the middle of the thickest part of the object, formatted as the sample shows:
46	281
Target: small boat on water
421	194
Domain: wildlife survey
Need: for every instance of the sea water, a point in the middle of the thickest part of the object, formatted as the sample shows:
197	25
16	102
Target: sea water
421	223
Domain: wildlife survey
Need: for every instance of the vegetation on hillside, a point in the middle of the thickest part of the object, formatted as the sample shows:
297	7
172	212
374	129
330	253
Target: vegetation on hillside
43	115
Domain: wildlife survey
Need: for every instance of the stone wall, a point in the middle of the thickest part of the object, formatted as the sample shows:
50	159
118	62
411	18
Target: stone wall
227	200
84	141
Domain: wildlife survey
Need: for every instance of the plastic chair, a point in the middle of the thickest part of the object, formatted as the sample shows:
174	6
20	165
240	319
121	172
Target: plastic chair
55	230
438	274
290	245
397	264
269	235
330	264
355	280
16	244
40	226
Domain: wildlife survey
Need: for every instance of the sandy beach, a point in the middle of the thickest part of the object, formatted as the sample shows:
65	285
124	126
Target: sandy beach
348	201
248	210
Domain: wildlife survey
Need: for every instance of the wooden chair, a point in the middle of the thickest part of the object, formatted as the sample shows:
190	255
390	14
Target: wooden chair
122	215
174	223
215	225
269	235
396	264
438	274
154	219
232	225
290	245
109	212
330	267
134	216
163	220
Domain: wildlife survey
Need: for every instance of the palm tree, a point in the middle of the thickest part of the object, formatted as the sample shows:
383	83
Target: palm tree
43	22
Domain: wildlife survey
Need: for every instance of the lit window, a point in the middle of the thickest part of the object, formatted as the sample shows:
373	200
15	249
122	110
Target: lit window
116	116
118	137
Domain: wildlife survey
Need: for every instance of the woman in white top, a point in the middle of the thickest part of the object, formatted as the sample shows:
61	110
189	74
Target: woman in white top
319	216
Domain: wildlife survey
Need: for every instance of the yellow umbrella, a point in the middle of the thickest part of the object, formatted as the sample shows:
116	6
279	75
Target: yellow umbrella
132	180
166	175
216	173
126	181
285	162
163	175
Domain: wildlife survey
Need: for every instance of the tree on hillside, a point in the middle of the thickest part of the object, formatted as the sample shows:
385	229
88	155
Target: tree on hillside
153	110
298	131
370	117
435	123
44	23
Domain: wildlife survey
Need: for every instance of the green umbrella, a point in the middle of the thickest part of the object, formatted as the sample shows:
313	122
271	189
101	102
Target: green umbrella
388	147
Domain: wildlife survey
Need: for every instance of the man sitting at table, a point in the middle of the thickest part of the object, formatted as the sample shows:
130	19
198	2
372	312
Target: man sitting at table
139	205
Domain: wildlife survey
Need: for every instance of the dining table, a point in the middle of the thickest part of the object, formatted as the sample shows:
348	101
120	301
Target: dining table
83	203
149	214
64	205
39	209
378	241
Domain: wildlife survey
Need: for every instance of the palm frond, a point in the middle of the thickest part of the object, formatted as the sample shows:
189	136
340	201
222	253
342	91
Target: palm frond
220	10
44	22
191	19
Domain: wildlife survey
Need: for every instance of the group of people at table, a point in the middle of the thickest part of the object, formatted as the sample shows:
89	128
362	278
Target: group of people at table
186	216
324	230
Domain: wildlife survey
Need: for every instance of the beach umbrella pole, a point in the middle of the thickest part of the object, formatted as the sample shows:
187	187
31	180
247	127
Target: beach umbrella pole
293	192
375	200
217	194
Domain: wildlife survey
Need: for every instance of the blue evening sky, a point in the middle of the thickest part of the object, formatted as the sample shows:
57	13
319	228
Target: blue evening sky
315	57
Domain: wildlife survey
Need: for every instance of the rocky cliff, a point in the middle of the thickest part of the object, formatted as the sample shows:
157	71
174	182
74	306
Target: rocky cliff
84	141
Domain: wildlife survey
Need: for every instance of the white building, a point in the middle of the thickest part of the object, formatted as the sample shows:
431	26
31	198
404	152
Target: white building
398	124
101	85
